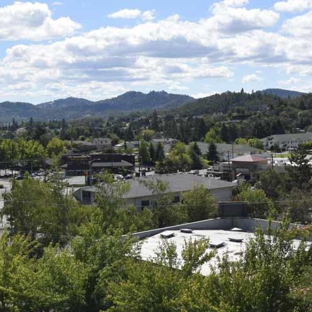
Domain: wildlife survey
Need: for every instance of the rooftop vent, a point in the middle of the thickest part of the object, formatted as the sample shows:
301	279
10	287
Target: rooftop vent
216	244
236	240
167	235
188	231
237	229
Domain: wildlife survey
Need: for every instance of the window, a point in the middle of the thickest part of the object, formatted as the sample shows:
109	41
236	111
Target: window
176	199
145	203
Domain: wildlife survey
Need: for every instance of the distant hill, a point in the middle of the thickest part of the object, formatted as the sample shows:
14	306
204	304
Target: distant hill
238	103
71	108
283	93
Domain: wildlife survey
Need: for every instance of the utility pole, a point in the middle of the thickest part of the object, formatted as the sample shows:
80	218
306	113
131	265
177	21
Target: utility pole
229	170
272	161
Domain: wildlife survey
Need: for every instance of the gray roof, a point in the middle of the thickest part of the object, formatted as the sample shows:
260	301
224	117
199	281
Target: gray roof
306	136
223	148
122	163
164	140
177	183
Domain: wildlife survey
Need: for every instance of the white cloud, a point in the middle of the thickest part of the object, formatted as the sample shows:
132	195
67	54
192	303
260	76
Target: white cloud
235	20
148	15
289	82
201	95
126	13
235	3
250	78
33	21
299	25
293	5
133	14
57	3
171	53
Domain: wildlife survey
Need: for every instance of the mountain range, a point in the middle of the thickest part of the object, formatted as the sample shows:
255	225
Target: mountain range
73	108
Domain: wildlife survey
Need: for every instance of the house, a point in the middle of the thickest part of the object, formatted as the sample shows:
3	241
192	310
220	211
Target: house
248	166
141	196
286	142
165	141
127	144
98	144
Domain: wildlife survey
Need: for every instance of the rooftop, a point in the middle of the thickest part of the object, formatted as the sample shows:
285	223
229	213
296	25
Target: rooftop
225	236
178	182
249	159
223	148
289	137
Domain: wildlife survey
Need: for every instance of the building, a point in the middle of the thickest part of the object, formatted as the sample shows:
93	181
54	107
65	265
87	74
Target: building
88	164
165	141
248	166
141	196
127	144
228	151
286	142
98	144
226	236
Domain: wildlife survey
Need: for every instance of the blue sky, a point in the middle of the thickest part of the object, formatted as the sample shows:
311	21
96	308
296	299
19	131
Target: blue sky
98	49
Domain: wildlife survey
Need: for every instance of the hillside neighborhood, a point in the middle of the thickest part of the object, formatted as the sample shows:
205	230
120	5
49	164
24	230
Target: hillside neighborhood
156	156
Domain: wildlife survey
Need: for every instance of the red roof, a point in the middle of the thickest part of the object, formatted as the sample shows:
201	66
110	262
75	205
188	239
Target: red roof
249	159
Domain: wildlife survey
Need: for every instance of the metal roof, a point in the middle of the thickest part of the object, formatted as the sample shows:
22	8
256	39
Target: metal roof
249	159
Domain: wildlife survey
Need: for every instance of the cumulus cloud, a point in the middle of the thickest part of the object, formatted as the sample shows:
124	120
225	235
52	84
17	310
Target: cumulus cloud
289	82
229	19
299	25
133	14
33	21
170	53
293	5
251	78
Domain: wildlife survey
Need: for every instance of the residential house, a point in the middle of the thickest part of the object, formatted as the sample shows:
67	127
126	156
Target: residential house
286	142
141	196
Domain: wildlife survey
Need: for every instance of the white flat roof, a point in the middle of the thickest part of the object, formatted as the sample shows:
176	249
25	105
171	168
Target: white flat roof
234	249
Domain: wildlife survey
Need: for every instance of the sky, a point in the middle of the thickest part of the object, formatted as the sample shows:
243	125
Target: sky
97	49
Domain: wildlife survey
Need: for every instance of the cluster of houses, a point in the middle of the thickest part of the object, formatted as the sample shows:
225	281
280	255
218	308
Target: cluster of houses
237	162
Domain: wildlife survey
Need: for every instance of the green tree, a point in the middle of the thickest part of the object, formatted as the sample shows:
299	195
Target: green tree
55	147
299	169
147	134
154	121
212	137
199	204
212	154
159	153
258	204
144	152
195	154
35	207
272	183
152	152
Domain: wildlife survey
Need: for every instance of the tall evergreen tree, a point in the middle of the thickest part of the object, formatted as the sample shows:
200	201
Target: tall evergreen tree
160	153
212	154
